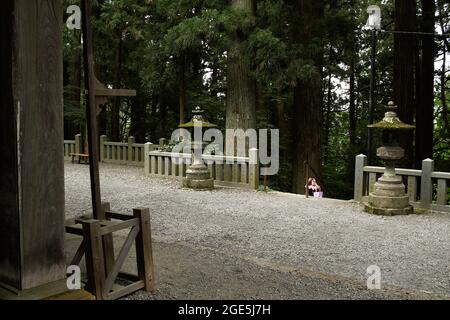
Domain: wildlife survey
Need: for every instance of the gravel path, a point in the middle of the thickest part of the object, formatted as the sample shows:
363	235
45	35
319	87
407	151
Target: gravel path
314	235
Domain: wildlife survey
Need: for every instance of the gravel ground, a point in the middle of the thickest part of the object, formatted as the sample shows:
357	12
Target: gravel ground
278	230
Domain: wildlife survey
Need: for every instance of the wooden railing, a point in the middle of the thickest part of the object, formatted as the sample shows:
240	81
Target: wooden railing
241	172
426	188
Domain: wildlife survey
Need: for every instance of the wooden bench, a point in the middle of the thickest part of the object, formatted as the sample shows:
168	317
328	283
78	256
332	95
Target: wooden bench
80	156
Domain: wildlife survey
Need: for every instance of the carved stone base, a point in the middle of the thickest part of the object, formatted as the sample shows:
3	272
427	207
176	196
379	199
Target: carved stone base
198	178
199	185
389	198
389	212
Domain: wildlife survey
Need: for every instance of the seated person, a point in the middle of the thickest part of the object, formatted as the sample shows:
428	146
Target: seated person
313	187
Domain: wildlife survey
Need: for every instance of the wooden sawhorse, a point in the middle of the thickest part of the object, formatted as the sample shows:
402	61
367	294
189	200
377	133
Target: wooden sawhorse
97	246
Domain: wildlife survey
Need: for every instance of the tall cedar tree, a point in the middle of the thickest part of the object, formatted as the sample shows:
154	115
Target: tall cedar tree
307	115
241	84
425	86
404	53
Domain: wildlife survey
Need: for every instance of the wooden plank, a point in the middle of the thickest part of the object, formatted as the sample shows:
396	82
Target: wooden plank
123	254
79	254
74	230
119	293
128	276
117	226
144	251
117	216
115	92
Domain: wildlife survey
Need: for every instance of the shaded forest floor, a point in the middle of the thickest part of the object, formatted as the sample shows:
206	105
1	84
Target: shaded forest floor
237	244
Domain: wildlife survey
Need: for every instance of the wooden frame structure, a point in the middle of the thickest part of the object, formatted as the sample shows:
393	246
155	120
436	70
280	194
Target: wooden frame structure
97	246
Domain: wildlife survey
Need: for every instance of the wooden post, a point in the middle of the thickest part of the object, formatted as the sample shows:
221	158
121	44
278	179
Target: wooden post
426	187
360	163
144	249
31	122
253	175
94	258
108	243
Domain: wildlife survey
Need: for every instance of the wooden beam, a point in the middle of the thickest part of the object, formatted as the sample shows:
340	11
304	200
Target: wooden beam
31	181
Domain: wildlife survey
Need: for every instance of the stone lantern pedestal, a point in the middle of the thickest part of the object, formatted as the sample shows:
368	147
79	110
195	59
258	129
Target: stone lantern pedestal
389	197
198	176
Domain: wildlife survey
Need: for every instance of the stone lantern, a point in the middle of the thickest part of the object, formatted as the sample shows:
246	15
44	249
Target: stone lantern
198	176
389	197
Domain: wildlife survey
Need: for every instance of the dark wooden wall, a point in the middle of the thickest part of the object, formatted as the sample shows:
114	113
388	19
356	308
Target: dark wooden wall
31	122
9	212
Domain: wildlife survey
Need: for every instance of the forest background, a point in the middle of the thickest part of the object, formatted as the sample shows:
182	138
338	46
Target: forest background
300	66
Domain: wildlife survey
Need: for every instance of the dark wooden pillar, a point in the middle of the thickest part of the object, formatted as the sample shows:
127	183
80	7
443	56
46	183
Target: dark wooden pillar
31	137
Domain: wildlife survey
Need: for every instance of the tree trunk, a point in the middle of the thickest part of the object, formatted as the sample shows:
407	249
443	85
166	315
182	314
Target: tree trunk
352	107
404	48
425	105
73	85
328	119
182	90
443	84
138	115
115	110
308	101
241	85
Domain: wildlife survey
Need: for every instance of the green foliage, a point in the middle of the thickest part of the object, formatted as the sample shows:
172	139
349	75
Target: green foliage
160	47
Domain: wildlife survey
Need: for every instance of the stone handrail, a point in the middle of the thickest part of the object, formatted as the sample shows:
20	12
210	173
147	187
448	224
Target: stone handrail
242	172
130	153
426	188
72	146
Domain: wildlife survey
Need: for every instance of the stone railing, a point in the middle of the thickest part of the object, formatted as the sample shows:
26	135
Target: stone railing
126	153
72	146
426	188
241	172
130	153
